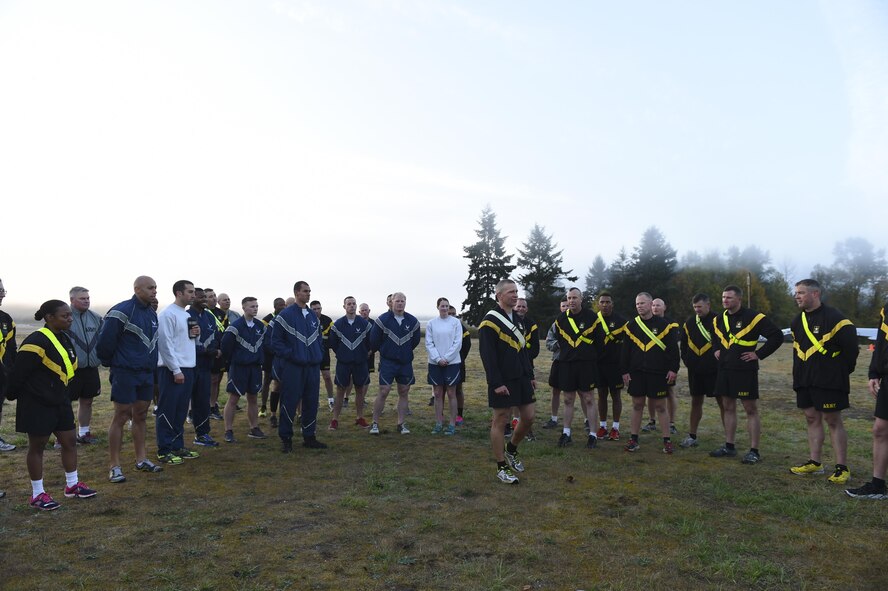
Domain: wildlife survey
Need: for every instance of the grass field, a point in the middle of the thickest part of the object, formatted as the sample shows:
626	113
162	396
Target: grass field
425	512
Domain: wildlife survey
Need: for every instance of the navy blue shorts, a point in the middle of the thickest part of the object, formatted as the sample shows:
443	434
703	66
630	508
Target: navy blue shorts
355	374
392	371
244	379
128	386
447	375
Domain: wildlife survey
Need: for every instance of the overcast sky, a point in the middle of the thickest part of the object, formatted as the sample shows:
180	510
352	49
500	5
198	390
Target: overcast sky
247	144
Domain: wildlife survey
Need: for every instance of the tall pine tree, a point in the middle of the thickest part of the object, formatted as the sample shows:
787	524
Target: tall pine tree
488	264
542	279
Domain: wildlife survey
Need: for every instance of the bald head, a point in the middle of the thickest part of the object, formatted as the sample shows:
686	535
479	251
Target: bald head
145	289
658	307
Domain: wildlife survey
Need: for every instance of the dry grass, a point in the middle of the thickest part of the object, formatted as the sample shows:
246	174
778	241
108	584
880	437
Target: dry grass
424	512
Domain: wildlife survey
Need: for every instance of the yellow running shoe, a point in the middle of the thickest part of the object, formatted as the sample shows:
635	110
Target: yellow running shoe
840	476
809	467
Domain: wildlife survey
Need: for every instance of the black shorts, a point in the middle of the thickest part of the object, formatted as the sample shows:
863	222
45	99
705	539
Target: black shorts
743	385
649	385
702	384
35	418
822	399
520	394
881	411
85	383
577	376
553	375
267	362
609	377
325	360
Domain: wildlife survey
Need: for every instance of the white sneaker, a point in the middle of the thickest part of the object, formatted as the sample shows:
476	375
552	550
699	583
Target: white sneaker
506	476
403	430
374	429
6	446
688	442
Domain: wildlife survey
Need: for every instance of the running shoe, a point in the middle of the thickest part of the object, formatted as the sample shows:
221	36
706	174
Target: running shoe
186	454
506	476
514	461
840	476
459	421
256	433
688	442
361	422
867	491
188	418
550	424
530	436
170	458
673	430
6	446
632	445
437	428
374	429
116	475
286	446
614	434
451	430
148	466
79	491
87	439
602	433
229	436
751	457
514	424
330	403
273	421
205	440
668	448
809	467
312	442
263	412
334	424
403	430
215	414
592	442
43	502
723	452
431	401
564	440
345	402
651	426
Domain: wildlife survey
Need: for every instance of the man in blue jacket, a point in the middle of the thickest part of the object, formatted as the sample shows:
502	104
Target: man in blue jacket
296	344
395	335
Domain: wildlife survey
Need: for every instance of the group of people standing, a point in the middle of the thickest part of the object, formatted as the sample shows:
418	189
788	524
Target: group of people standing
606	352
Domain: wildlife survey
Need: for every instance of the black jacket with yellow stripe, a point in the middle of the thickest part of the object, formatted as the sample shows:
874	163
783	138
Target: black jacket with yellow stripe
641	353
698	352
879	363
40	372
828	362
741	335
575	335
609	343
501	352
532	336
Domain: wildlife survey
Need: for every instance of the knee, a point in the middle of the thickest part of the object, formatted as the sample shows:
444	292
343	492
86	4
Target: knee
880	430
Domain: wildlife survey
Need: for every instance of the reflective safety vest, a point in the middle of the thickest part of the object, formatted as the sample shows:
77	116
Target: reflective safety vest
66	358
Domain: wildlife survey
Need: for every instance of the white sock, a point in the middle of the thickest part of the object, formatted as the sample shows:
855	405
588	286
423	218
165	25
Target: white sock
616	425
603	424
83	430
567	431
554	418
36	487
71	478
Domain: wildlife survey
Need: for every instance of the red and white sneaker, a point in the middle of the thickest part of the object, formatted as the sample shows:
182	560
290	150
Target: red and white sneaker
334	424
602	433
80	491
43	502
614	434
362	422
514	424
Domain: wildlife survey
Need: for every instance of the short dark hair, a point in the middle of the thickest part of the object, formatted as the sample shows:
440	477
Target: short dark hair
810	283
248	299
733	288
179	286
700	297
48	308
298	285
605	294
313	302
346	298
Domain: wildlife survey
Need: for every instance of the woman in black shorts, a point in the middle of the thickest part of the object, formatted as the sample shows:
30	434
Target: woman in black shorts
39	381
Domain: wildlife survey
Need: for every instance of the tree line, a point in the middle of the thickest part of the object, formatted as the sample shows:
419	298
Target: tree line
856	283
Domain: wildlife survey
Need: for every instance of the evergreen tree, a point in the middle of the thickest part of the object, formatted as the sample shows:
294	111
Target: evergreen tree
488	264
543	275
597	278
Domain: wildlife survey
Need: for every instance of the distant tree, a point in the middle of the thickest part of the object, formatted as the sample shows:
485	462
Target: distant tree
597	277
488	264
618	275
651	267
543	275
856	282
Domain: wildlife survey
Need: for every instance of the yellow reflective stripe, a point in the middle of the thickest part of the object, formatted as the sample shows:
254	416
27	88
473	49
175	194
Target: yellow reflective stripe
650	335
5	338
703	330
699	351
219	325
69	367
580	336
504	336
883	327
47	362
818	347
736	338
817	344
608	336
